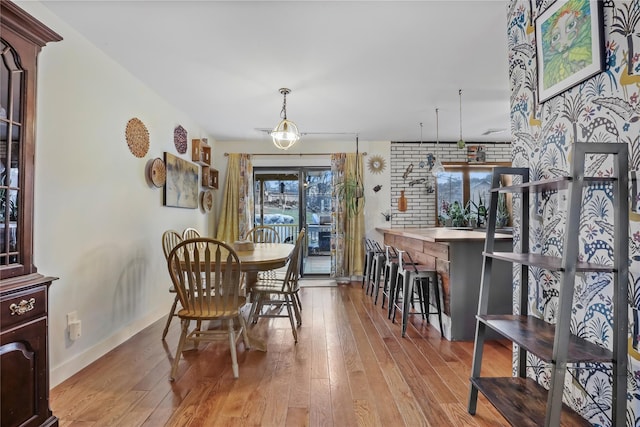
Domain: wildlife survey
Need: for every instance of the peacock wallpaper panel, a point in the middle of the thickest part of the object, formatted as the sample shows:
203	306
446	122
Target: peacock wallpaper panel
603	108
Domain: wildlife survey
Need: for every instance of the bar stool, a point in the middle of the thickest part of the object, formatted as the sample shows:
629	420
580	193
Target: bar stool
408	274
390	274
377	262
368	254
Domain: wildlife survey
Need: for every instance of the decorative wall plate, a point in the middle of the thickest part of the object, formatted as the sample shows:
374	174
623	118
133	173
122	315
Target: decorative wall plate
206	201
137	137
180	139
158	172
376	164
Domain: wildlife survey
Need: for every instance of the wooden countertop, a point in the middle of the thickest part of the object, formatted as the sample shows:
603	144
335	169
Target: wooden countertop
442	234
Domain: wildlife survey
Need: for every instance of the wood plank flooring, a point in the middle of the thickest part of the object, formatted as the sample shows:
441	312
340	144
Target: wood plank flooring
350	367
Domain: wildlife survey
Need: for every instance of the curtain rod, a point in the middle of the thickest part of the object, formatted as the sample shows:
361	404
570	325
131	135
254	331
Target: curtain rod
292	154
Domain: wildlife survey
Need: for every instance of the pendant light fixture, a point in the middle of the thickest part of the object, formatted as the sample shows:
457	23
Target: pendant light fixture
437	165
286	134
461	143
429	161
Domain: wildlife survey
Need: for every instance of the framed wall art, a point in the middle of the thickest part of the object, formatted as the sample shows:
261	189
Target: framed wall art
569	45
181	187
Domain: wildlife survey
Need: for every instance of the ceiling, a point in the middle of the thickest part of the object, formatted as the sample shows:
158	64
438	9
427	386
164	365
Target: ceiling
375	68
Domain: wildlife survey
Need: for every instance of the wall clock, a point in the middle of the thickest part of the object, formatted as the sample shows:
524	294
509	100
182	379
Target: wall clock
376	164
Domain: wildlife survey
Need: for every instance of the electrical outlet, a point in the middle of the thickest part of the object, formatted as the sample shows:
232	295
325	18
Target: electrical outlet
72	317
75	330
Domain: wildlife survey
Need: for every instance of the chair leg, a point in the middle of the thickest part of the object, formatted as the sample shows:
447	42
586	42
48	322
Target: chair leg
245	332
385	284
176	359
297	295
406	302
394	305
379	272
257	307
288	302
367	263
296	308
393	280
171	314
422	288
232	344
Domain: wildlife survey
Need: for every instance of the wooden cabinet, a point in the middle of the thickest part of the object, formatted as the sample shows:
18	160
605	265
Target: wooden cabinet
24	364
521	399
24	374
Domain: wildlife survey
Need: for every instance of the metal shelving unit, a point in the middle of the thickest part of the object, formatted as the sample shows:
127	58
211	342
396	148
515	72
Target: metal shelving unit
521	400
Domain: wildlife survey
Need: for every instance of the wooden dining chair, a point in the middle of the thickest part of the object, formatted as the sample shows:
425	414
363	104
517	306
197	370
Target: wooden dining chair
170	240
263	234
276	294
206	275
190	233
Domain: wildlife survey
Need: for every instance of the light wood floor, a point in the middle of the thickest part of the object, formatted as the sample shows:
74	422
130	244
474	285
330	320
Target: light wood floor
349	368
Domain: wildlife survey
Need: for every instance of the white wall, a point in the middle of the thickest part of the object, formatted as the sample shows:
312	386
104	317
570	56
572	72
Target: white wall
98	223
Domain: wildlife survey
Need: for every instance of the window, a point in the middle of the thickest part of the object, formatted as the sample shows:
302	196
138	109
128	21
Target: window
463	194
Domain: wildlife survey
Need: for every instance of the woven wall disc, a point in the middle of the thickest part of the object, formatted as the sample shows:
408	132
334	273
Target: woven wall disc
137	137
206	201
180	139
158	172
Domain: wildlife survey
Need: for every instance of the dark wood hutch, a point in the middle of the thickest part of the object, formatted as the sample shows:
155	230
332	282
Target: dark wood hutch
24	361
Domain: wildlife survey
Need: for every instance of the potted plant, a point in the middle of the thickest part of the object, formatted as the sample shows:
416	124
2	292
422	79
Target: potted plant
351	191
457	214
502	214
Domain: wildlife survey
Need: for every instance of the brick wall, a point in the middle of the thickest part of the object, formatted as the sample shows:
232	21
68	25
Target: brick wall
421	204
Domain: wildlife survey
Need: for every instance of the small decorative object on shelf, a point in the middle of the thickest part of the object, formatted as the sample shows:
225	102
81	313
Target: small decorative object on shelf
213	178
180	139
137	137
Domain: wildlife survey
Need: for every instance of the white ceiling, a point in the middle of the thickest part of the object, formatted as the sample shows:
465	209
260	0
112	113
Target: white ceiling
376	68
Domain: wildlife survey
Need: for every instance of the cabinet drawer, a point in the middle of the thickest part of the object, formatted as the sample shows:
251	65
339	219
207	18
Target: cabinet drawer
22	306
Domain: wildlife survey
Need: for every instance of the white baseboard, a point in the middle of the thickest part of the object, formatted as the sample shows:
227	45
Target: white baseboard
75	364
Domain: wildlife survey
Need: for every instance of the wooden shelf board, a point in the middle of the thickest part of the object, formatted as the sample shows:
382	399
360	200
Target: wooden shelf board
536	336
523	402
548	262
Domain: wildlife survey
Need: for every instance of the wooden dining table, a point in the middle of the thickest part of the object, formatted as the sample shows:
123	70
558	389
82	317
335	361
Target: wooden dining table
264	257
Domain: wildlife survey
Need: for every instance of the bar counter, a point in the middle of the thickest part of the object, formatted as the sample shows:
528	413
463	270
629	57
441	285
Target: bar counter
456	254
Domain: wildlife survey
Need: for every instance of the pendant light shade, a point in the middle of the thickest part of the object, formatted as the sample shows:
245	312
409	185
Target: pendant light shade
286	134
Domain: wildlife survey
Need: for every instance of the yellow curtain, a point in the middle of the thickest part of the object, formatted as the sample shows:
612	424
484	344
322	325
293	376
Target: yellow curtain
237	204
348	255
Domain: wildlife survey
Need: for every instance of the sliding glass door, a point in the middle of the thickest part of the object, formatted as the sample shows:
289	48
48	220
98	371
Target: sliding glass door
288	199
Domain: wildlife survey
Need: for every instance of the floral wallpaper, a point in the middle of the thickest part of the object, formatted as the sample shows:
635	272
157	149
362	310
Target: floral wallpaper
603	108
